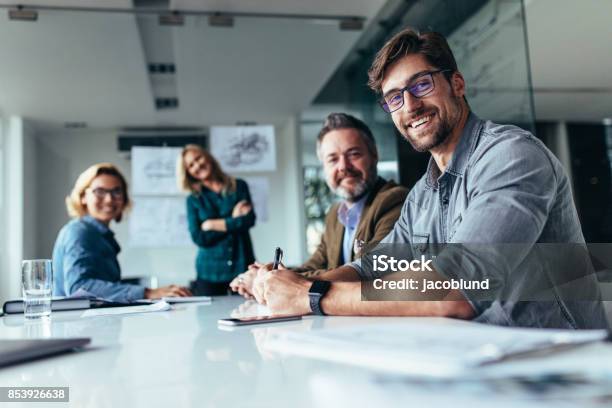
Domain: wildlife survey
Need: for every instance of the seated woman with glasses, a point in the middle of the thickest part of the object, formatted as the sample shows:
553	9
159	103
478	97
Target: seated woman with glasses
85	252
220	214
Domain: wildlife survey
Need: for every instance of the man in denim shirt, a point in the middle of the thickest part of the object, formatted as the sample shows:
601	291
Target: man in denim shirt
485	183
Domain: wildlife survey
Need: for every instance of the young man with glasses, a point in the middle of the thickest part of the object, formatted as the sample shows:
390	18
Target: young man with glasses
486	184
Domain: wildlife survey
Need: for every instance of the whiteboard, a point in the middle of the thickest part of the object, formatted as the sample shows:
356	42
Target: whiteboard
159	222
259	188
154	170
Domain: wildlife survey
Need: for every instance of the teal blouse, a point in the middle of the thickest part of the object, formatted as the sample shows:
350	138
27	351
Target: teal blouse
221	255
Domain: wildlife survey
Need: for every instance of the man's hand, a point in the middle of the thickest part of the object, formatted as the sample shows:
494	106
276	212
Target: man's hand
284	291
166	291
243	283
241	208
257	287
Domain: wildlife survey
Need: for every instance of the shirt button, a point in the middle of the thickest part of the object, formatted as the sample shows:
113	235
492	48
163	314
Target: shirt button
229	263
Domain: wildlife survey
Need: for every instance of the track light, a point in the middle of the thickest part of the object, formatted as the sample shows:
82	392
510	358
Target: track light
172	19
220	20
351	24
21	14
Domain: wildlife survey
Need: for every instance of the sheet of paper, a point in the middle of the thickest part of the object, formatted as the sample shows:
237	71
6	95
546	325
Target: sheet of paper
260	191
159	222
418	347
365	390
187	299
107	311
154	170
244	148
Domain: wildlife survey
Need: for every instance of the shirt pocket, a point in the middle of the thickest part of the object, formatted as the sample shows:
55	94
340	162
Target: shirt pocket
420	241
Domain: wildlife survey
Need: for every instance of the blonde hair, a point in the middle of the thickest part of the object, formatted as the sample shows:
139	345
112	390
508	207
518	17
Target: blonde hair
74	205
191	185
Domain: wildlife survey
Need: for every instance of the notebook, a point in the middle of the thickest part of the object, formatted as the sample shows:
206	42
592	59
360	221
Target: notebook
70	303
17	351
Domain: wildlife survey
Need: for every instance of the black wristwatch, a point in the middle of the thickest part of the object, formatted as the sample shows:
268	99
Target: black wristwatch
318	289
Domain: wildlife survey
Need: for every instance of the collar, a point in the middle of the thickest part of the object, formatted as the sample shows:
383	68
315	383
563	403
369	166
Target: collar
461	155
99	226
349	217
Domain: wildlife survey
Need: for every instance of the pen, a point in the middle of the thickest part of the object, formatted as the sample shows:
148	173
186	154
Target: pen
278	258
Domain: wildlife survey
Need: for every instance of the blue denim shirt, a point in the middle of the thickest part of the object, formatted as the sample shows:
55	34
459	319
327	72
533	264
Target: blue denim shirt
85	257
502	186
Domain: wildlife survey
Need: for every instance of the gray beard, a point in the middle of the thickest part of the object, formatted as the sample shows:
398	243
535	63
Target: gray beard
358	192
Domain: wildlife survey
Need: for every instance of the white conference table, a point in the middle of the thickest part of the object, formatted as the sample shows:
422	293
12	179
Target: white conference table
181	358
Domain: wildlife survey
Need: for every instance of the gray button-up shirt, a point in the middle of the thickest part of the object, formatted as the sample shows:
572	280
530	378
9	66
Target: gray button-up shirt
502	186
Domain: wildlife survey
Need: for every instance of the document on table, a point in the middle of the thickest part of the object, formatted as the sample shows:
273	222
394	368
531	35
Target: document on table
106	311
365	390
424	348
187	299
176	299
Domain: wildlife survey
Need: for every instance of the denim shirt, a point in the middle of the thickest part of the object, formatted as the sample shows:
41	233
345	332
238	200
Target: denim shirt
85	257
502	186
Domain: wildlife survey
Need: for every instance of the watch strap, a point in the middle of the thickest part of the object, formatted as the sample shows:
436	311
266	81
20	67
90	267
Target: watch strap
315	294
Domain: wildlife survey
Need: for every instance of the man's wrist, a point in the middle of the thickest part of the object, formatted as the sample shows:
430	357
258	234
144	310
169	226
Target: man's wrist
316	293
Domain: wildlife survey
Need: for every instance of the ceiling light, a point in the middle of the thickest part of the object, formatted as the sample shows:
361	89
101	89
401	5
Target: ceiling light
220	20
351	24
172	19
21	14
75	125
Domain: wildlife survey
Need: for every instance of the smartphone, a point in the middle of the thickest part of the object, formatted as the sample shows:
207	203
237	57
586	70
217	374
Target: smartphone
244	321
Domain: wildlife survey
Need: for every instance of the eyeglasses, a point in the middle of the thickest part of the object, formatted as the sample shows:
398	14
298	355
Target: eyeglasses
422	86
115	193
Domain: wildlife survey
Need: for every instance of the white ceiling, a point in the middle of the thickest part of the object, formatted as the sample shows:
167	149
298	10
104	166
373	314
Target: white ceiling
91	67
365	8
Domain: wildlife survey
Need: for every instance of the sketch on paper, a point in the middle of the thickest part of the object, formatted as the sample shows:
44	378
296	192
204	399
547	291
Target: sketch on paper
153	170
159	222
244	148
259	187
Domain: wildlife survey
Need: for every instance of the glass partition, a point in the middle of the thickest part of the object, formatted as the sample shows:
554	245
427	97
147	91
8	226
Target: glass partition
488	38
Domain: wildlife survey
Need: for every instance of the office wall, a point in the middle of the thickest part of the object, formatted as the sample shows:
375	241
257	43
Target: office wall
20	197
63	154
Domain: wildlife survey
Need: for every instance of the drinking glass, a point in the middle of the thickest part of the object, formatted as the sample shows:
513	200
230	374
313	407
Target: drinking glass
37	287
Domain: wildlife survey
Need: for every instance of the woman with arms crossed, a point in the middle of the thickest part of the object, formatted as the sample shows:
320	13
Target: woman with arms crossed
85	252
220	214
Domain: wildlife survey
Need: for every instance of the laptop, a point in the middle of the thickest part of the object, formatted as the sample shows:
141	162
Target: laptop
17	351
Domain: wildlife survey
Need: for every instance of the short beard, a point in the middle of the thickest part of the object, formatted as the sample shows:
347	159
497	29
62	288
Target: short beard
360	189
439	137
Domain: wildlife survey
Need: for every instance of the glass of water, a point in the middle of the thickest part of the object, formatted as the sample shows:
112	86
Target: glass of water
37	287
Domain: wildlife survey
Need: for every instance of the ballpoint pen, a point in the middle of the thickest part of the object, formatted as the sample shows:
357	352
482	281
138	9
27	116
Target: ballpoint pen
278	258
